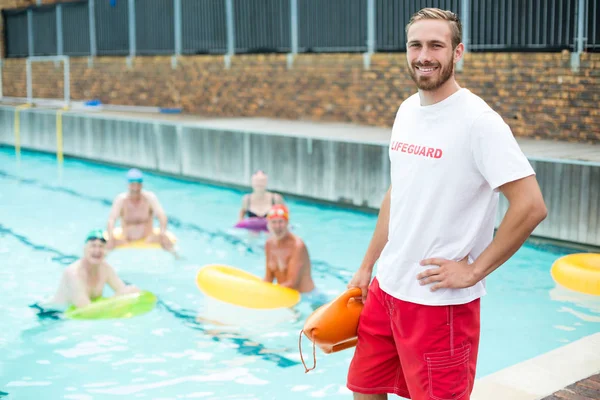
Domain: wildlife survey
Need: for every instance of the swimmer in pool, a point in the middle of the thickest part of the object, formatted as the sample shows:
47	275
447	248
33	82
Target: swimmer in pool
258	203
287	259
137	209
84	280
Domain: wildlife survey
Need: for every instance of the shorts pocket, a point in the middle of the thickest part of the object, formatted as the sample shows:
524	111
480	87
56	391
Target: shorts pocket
448	373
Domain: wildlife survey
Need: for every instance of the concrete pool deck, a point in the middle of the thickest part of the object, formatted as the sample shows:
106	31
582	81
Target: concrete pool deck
551	374
543	149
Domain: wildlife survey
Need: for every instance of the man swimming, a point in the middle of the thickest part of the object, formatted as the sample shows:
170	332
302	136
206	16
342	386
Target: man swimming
137	209
84	280
287	259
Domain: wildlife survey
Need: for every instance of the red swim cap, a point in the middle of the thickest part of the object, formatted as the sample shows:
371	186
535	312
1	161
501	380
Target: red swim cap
278	211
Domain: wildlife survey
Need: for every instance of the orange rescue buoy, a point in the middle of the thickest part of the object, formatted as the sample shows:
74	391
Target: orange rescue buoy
333	326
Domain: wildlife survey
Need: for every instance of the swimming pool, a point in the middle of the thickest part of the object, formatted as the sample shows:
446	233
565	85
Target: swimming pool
171	353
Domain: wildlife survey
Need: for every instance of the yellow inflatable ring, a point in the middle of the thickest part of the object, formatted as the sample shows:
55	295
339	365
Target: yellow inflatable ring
235	286
139	244
579	272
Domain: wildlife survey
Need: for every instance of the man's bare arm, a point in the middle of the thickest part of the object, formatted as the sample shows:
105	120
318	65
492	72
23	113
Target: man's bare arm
380	235
243	207
113	280
115	213
525	212
362	277
158	211
269	275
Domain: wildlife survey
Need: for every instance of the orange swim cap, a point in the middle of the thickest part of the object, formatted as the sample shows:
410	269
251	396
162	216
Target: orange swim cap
278	211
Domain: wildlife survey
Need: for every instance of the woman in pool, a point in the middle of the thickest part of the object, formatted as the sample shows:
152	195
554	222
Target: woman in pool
258	203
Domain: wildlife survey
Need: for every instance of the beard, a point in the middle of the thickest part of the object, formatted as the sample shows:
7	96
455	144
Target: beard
432	82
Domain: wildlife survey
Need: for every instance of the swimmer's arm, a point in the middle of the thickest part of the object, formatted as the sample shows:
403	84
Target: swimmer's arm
295	265
62	293
269	275
116	284
243	209
158	210
77	294
115	212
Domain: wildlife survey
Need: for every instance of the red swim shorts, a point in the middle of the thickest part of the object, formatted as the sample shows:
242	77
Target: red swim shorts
415	351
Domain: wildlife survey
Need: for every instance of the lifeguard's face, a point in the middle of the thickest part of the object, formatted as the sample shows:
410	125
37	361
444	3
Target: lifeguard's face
259	181
94	251
278	227
135	188
429	53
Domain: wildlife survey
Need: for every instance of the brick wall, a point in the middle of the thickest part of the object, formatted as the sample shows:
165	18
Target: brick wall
537	93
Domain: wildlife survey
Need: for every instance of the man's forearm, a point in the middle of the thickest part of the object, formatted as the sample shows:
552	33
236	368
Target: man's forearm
110	227
163	220
516	226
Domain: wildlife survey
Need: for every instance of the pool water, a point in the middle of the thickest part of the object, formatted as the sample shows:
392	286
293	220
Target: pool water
175	351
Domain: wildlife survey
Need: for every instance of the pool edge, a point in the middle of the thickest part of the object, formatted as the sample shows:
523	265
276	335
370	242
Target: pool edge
543	375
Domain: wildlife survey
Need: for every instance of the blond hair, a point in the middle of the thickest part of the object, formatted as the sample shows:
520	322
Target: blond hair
444	15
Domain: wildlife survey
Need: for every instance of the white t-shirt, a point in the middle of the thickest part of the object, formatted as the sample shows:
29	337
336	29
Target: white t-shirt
447	161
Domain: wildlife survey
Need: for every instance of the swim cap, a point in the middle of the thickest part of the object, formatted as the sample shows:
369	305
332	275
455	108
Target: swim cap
278	211
135	175
95	234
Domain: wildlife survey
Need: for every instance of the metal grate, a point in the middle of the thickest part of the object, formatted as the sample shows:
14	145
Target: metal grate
262	26
76	29
516	25
112	34
15	33
154	26
44	31
593	26
391	17
332	25
203	26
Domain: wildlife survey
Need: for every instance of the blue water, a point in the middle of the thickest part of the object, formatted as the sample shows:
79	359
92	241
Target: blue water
173	352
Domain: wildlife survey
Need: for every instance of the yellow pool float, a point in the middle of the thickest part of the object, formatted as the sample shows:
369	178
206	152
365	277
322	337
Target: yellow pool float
139	244
235	286
579	272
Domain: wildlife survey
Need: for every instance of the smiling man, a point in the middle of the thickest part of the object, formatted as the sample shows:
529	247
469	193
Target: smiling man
450	156
84	280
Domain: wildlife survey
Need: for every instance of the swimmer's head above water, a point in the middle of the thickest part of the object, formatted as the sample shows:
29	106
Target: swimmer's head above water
95	247
277	220
135	175
135	179
259	181
278	211
95	234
